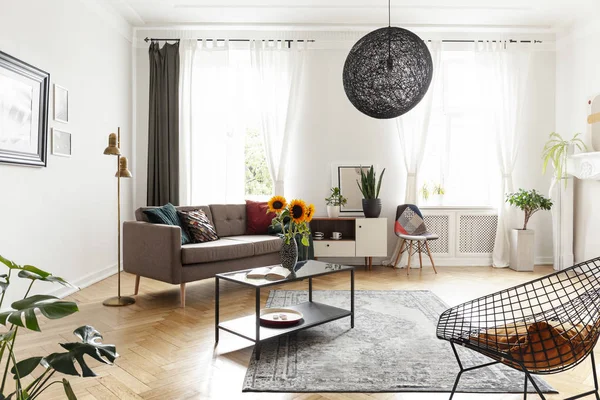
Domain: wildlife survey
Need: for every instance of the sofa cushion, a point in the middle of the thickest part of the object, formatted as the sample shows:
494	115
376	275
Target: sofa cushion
167	215
218	250
263	244
199	228
229	219
140	216
258	219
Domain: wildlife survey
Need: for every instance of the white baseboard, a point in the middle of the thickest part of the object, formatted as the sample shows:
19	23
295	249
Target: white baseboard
544	260
83	282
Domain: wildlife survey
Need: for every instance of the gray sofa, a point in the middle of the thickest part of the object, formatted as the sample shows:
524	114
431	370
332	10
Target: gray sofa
155	251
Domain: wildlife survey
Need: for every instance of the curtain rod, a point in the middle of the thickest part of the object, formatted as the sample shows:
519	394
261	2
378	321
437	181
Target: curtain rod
147	39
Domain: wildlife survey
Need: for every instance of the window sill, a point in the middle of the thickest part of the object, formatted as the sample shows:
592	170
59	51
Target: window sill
457	208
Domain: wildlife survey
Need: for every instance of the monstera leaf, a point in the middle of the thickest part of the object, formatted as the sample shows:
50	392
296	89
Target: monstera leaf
33	273
51	307
90	344
36	274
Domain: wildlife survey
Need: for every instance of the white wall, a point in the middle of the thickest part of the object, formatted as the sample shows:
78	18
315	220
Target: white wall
63	218
577	80
331	130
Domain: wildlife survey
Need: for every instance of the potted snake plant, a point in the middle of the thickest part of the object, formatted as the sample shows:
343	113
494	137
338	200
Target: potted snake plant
369	187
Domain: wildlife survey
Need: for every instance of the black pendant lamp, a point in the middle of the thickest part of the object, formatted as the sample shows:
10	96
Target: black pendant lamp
387	72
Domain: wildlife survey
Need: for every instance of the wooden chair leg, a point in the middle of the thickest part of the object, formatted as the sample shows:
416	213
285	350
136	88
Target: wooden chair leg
430	258
400	251
409	255
370	263
137	285
420	257
182	294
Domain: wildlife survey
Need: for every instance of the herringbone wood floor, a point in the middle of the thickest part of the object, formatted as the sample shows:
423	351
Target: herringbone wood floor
168	352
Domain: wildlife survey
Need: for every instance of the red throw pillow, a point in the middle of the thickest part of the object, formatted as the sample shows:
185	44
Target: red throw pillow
257	218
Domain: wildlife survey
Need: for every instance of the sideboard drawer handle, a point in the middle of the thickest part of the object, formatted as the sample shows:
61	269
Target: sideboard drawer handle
327	245
360	226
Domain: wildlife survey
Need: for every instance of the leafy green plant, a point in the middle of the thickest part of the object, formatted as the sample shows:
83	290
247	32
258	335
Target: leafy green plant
439	189
368	185
556	151
335	198
23	315
529	202
425	192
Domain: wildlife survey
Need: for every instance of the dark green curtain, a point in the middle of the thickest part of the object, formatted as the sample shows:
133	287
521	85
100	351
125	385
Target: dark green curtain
163	125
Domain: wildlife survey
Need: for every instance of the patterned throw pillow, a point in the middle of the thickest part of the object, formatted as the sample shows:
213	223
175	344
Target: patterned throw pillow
198	225
167	215
410	223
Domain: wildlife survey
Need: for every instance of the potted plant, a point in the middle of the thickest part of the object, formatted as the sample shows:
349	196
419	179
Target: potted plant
370	187
22	315
522	243
556	150
334	201
438	193
425	192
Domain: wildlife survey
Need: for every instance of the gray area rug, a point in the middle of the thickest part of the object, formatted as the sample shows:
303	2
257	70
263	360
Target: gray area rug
392	348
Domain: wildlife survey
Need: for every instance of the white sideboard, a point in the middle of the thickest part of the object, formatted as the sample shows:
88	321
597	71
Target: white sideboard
361	237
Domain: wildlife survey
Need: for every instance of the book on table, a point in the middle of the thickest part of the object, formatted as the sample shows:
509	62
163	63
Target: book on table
270	273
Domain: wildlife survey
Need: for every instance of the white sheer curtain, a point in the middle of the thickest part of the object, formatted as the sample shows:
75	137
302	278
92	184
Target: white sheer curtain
278	72
213	140
187	55
503	73
413	128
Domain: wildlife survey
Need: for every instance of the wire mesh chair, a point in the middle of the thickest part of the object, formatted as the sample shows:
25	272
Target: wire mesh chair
410	227
545	326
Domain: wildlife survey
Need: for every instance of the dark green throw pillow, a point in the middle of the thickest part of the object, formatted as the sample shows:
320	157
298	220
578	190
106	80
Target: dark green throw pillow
167	215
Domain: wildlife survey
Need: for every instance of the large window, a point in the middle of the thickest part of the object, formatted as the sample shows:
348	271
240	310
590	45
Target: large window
460	154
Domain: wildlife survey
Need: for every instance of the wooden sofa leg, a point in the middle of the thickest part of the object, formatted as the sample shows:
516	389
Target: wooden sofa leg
182	294
137	285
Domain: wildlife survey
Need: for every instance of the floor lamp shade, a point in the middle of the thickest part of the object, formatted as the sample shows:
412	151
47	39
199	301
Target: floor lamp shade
114	148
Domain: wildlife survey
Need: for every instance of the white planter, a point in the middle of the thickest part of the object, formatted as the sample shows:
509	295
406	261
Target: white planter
333	211
522	249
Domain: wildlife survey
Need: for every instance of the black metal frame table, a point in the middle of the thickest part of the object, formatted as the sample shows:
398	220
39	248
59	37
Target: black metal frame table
314	313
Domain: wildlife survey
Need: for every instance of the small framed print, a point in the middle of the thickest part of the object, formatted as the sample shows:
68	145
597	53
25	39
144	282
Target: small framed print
61	143
61	104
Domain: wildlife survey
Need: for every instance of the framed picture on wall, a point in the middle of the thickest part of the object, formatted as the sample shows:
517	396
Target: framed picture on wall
345	176
61	143
24	92
61	104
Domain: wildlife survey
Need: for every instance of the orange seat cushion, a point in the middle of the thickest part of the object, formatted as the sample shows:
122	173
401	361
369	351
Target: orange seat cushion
540	345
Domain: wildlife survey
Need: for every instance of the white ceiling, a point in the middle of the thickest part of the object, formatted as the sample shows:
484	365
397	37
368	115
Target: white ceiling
536	14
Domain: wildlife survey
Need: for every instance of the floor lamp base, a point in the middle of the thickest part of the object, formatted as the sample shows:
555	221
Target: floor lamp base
119	301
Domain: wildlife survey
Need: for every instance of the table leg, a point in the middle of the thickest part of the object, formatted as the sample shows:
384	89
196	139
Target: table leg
352	298
257	337
216	309
310	289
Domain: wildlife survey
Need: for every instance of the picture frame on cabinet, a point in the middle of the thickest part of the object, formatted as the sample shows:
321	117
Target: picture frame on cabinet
344	176
24	94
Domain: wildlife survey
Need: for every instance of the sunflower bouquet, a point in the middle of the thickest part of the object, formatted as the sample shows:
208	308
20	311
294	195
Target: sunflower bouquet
297	212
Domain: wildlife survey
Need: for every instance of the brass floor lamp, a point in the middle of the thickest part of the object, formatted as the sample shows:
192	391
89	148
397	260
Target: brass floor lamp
114	149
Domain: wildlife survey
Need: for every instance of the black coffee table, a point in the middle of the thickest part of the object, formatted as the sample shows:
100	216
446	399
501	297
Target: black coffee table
314	313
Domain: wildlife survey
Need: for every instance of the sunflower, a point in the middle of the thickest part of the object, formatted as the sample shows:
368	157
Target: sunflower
310	212
298	211
276	204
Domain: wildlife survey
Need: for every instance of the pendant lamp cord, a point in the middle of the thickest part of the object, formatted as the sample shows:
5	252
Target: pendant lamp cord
390	63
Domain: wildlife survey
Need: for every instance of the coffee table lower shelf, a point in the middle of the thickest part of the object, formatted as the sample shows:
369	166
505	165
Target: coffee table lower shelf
314	314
